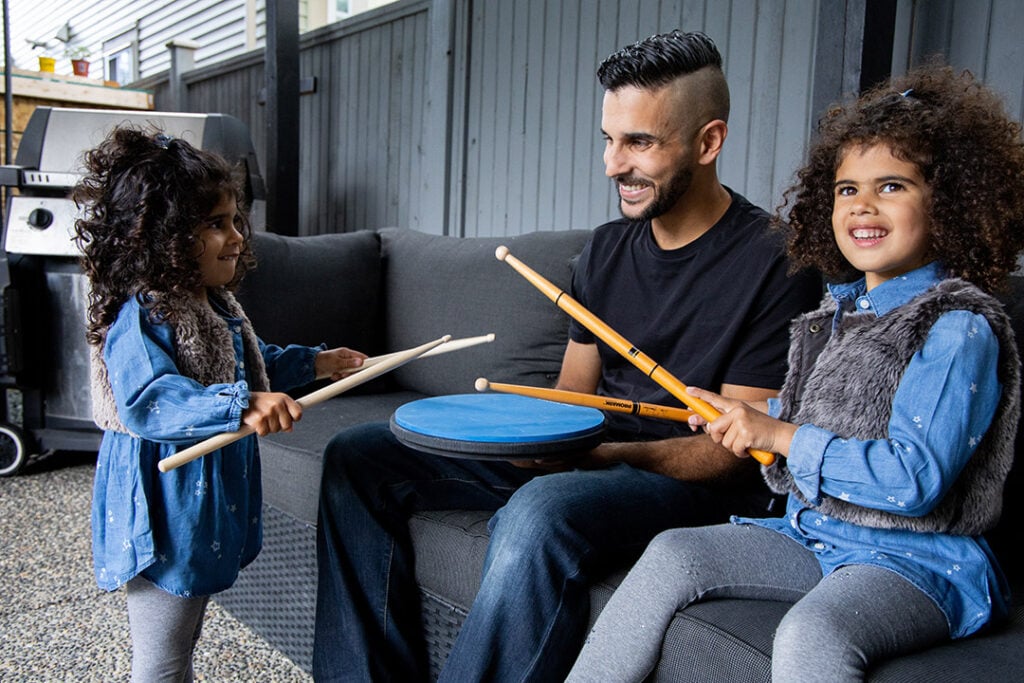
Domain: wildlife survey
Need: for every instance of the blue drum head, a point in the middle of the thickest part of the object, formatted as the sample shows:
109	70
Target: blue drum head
497	426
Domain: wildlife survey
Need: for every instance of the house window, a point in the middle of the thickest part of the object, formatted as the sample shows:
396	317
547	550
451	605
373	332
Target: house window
120	66
121	56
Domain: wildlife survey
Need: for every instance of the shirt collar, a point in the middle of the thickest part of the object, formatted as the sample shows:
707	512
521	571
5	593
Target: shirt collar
890	294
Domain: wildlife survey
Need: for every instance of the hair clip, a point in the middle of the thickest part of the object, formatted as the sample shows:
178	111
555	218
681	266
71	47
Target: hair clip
907	93
163	141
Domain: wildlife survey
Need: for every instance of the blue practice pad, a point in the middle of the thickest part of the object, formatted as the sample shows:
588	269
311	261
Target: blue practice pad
497	426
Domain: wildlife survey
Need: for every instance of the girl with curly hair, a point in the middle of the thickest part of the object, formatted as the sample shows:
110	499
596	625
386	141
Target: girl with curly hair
894	431
175	360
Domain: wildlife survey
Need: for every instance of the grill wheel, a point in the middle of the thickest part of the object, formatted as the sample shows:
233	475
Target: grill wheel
13	450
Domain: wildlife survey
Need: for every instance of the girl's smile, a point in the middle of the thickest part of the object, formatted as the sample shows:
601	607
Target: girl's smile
880	213
219	243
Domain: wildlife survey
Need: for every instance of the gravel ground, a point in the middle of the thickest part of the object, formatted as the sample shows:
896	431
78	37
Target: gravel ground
56	625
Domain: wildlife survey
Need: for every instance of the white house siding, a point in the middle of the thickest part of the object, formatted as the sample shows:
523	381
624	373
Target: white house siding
219	26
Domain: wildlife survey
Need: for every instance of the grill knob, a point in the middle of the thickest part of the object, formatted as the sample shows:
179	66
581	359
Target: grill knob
40	218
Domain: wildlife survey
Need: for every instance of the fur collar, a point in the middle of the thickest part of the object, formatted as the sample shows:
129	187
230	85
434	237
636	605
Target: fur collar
203	351
862	364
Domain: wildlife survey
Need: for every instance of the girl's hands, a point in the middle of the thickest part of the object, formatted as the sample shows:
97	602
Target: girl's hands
338	363
741	426
270	412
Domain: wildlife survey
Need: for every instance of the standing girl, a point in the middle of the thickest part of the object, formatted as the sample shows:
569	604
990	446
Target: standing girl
897	436
175	360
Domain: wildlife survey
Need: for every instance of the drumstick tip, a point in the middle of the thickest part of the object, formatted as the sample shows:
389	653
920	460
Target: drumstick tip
481	384
490	337
501	252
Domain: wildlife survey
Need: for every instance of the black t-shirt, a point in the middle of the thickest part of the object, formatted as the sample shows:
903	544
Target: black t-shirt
713	312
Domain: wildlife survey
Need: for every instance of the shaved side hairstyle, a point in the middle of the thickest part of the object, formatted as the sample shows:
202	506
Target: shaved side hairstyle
660	60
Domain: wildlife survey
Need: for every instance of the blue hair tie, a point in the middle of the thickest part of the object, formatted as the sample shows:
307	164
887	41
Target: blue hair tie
163	141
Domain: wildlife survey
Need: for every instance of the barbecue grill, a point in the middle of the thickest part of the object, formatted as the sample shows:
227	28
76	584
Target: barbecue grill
44	358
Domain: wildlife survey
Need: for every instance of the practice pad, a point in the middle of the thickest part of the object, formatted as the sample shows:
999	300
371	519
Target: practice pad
497	426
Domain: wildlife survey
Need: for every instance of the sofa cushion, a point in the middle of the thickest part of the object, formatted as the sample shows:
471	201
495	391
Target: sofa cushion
715	640
302	291
292	461
437	285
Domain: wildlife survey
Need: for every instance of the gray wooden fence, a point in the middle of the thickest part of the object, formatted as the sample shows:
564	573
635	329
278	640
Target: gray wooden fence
482	117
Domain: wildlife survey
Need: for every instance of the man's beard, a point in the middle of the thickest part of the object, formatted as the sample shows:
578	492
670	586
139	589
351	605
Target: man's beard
664	199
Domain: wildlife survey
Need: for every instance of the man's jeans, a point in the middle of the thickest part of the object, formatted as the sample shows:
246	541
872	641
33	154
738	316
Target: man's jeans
551	535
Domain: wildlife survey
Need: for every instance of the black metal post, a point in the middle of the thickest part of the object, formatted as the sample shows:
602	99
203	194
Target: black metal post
8	95
8	113
879	35
282	79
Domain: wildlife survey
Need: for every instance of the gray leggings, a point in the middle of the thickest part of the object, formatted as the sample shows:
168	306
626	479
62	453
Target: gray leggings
839	625
165	629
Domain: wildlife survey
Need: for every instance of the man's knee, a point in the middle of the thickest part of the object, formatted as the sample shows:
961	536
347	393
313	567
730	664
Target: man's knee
350	450
538	517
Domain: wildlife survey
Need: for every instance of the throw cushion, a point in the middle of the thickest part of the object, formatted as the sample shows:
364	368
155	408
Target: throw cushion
320	288
437	285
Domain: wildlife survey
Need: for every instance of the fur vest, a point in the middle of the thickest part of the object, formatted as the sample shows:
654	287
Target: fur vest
203	351
861	366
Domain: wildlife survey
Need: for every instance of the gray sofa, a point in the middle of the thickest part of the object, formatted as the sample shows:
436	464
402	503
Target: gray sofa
391	289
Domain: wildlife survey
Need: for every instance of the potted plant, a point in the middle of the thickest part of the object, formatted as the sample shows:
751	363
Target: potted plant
79	57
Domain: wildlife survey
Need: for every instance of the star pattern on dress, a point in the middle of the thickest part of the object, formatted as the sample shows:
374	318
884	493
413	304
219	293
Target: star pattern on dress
918	422
215	546
844	496
201	487
154	406
974	387
973	332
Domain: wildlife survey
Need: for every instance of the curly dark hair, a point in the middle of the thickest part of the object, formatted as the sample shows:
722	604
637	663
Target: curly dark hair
969	151
143	196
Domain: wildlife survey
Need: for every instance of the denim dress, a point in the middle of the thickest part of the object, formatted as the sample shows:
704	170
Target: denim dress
947	397
191	529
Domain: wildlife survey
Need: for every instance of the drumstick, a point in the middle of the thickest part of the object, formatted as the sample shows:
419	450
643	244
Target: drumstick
618	405
319	396
453	345
619	344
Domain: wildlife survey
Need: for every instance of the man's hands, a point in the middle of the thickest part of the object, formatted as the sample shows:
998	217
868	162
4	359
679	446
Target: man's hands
338	363
743	425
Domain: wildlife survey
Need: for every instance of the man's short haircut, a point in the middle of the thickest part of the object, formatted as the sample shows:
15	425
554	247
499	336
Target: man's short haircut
658	60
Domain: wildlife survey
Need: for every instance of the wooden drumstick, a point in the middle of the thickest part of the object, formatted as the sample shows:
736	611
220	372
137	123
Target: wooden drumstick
319	396
619	344
453	345
576	398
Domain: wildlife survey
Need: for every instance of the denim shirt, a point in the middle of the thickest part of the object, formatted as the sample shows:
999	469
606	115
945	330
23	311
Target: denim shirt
944	404
189	530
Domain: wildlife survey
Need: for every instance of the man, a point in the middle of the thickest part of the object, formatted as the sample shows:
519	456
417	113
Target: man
692	277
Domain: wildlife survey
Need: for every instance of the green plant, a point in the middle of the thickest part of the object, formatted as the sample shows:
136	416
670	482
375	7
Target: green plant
79	52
